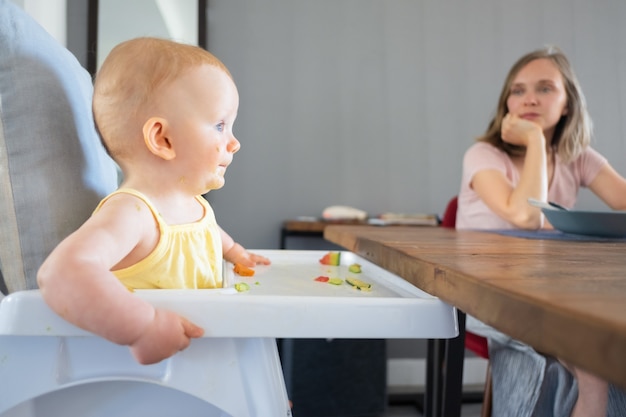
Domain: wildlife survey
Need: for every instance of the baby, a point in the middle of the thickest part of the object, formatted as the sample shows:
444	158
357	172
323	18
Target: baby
165	113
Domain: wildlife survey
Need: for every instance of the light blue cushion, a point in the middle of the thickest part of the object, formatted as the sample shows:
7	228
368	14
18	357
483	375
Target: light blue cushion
53	168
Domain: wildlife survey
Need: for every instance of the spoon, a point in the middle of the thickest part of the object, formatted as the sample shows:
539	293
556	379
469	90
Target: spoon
550	205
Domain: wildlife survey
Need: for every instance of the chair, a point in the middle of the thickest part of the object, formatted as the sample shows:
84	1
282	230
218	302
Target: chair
473	342
55	368
54	172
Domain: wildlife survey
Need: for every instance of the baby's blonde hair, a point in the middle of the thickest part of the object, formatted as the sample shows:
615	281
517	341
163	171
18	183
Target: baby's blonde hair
128	81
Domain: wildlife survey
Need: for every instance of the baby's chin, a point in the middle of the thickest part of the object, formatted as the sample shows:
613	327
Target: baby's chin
214	184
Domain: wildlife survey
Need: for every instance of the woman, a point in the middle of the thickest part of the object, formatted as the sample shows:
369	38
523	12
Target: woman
537	146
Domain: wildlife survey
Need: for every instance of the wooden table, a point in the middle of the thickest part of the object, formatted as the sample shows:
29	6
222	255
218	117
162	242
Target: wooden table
564	298
314	227
309	227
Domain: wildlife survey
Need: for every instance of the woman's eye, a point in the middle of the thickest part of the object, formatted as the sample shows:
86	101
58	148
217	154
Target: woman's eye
517	92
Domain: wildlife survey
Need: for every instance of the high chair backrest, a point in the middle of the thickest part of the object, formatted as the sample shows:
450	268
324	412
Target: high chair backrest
53	169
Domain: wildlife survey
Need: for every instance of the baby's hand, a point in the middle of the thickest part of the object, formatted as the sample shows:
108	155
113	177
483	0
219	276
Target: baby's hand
250	259
167	334
518	131
258	259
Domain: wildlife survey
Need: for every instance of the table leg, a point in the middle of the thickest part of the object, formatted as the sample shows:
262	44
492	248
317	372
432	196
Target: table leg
434	366
444	378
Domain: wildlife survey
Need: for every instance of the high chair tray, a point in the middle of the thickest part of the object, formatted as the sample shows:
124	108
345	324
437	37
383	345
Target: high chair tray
283	300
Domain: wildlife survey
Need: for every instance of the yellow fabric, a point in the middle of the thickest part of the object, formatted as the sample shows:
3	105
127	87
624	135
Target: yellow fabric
188	256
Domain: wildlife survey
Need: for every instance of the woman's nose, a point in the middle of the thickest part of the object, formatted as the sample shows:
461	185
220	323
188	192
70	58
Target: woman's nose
530	99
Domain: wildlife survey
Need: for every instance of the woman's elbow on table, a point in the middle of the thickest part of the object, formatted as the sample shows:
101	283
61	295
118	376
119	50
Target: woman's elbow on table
528	220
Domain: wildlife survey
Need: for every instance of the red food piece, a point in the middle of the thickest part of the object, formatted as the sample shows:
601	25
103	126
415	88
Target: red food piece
322	278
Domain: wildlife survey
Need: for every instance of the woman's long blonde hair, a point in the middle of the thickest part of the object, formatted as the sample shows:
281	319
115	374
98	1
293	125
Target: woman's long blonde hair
572	133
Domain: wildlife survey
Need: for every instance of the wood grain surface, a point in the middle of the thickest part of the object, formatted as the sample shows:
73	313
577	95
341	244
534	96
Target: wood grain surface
564	298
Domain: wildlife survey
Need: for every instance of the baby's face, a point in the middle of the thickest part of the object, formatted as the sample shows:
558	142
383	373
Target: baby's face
201	109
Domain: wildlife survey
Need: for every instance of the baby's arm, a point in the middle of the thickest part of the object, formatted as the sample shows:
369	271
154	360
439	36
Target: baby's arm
235	253
76	282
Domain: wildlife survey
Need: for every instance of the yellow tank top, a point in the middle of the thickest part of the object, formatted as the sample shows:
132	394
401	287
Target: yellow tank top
187	256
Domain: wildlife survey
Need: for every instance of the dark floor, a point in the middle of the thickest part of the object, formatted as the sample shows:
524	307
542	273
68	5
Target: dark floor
403	405
409	410
399	406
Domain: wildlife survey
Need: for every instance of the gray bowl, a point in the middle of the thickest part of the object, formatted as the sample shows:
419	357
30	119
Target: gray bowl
591	223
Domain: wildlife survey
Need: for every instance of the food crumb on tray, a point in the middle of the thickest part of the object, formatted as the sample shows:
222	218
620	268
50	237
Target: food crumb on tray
354	282
242	287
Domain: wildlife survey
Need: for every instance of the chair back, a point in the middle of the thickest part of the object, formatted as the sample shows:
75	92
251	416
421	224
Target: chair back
53	169
449	216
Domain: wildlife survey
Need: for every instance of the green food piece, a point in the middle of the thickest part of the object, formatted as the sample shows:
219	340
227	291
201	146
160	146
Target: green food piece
355	268
242	286
335	281
358	284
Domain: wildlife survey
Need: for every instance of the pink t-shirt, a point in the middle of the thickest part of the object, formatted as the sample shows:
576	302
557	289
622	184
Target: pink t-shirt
473	213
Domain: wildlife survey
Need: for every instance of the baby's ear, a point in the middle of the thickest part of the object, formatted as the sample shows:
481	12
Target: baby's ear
156	140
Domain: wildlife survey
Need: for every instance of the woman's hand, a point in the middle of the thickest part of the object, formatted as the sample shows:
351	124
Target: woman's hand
518	131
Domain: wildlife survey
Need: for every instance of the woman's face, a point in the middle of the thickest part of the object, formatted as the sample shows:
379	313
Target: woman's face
538	94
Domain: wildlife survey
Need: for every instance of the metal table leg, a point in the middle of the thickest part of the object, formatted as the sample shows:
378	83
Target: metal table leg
444	378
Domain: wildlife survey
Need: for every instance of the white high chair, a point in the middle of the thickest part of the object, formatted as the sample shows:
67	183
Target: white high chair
53	172
50	367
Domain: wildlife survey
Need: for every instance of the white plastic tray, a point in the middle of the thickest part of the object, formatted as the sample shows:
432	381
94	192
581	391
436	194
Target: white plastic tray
284	301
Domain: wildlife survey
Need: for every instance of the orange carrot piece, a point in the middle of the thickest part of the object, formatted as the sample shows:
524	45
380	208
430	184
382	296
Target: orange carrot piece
243	270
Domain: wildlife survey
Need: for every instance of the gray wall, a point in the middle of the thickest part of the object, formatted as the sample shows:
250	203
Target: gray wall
77	13
372	103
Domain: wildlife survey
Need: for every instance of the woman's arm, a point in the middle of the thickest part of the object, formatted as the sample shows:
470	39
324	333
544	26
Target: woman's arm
610	187
504	198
